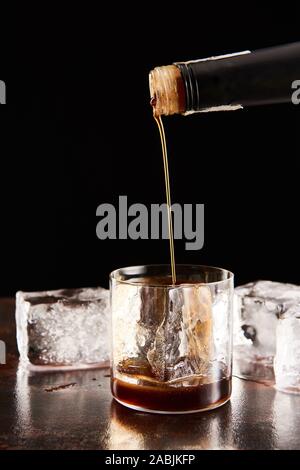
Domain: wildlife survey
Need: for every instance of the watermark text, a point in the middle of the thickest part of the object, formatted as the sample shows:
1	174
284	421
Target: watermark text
2	352
2	92
296	93
137	222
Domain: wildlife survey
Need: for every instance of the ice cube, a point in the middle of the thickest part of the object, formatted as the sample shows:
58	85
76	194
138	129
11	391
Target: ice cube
153	305
183	340
222	325
287	359
258	306
63	328
126	312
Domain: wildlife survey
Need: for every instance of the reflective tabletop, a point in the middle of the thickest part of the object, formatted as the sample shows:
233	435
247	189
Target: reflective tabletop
75	410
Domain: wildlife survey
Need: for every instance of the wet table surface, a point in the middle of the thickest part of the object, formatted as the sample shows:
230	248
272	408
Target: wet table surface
35	415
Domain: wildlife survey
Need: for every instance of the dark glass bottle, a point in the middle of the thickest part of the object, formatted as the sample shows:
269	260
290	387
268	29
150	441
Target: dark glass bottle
226	82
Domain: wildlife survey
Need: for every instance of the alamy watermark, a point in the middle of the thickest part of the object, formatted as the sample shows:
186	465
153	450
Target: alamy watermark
296	93
188	222
2	92
2	352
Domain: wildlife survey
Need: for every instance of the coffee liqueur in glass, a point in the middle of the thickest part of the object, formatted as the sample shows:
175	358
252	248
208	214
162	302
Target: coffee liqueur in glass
171	343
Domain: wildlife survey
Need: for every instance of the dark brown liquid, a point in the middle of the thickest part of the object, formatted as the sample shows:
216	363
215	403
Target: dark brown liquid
173	398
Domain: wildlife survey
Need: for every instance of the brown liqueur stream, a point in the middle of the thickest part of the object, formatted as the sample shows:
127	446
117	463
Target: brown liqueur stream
167	186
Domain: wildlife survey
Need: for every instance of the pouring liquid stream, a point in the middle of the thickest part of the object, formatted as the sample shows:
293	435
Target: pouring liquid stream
168	194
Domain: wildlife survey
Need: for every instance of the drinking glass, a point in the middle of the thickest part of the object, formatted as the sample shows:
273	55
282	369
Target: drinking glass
171	344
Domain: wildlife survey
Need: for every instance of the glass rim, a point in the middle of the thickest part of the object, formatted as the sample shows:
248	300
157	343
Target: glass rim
112	275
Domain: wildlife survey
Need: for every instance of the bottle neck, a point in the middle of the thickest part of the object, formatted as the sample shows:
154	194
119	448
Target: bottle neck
206	86
226	82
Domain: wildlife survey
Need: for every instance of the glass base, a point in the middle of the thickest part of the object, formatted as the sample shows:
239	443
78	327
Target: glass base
161	412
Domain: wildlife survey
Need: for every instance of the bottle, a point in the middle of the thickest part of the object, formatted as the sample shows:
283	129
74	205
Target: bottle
226	82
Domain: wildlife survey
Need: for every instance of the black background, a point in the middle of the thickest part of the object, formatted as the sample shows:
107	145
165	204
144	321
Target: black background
77	131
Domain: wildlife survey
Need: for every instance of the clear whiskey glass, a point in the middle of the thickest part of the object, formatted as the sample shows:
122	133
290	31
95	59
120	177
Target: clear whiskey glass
171	344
